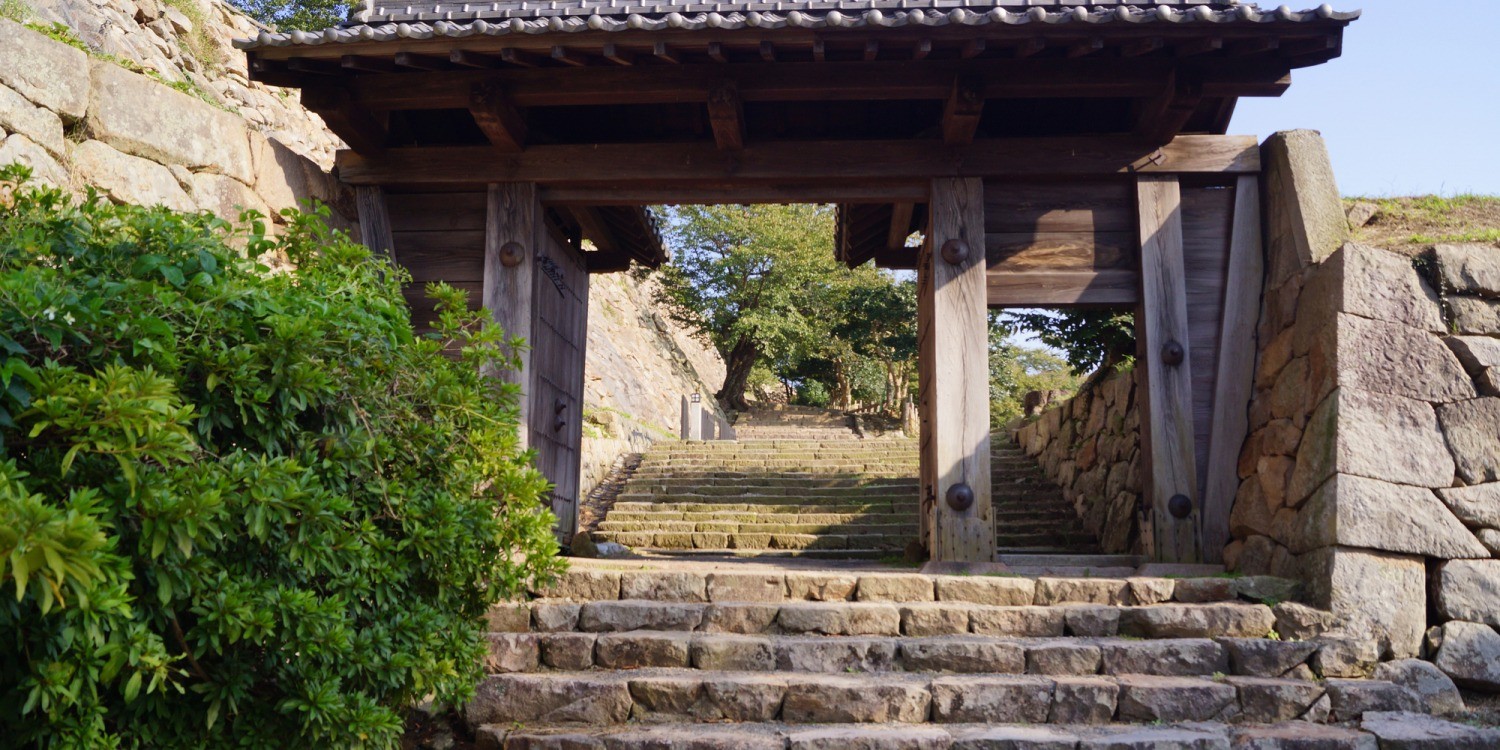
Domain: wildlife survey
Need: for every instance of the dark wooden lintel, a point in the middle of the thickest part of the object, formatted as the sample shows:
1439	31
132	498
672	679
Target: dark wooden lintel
569	57
614	54
474	59
413	61
703	165
665	53
1160	119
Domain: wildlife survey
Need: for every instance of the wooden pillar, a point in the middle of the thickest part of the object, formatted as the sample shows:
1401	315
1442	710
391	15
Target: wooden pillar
374	220
1175	507
953	327
1234	379
513	234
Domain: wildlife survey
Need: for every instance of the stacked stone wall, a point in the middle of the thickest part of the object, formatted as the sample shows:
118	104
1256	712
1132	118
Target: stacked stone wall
1371	467
1089	445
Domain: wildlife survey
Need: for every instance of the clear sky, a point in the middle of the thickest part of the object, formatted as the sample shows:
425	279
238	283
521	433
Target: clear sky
1412	107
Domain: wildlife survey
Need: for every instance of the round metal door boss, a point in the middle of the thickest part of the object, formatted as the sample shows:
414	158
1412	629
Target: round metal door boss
960	497
511	254
955	251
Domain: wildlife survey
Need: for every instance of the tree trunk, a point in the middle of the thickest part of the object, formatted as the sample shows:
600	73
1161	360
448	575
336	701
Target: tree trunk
737	373
843	391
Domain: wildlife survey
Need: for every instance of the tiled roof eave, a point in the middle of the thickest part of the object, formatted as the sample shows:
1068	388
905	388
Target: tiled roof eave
389	26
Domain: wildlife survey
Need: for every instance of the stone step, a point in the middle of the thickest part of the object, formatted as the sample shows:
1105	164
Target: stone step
908	528
770	554
1213	620
704	494
654	472
697	584
782	513
754	540
663	696
1066	561
1077	541
808	482
1377	729
956	654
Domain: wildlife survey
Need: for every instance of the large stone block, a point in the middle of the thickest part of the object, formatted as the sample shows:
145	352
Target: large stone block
830	699
1469	590
48	73
1480	355
17	148
1472	429
1381	357
226	197
1359	512
870	738
1171	657
991	700
541	699
1197	621
1406	730
1171	699
1370	283
989	590
1468	269
126	111
1373	594
1305	213
1439	694
1470	654
41	125
1379	436
128	179
1474	316
1476	505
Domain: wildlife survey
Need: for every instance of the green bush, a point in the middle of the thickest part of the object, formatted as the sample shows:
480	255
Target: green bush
241	507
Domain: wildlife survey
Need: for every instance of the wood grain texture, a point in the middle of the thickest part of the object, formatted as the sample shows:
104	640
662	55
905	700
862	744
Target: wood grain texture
1170	413
514	215
1207	212
694	164
374	221
958	356
1112	287
559	336
430	212
1076	205
927	472
497	117
1059	251
1236	367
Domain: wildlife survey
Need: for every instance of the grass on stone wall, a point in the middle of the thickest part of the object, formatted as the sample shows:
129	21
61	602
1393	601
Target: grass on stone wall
1412	224
60	32
199	42
15	10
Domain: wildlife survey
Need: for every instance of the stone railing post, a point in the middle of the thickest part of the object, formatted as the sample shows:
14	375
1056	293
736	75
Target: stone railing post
692	419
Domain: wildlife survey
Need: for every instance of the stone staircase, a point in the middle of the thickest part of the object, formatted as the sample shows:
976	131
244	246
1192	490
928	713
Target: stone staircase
752	655
794	423
823	498
805	498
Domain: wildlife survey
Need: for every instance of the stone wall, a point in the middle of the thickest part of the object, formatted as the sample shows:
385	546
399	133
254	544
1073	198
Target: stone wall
640	364
1371	468
79	119
1089	445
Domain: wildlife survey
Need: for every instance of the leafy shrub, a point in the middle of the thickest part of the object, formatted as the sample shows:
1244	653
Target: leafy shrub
813	393
241	508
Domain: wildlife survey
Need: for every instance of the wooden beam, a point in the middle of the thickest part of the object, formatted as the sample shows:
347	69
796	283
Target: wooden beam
1086	47
354	124
872	50
1198	46
1140	47
726	114
901	214
519	58
594	229
474	59
956	353
365	64
972	48
501	122
716	52
665	53
413	61
614	54
702	165
1163	117
922	49
811	81
962	111
568	57
768	52
1234	381
513	215
819	50
375	221
1106	288
615	194
1175	505
318	68
1029	48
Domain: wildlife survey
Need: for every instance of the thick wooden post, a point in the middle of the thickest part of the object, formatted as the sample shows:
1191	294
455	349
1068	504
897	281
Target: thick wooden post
954	357
1234	380
512	236
1175	505
374	220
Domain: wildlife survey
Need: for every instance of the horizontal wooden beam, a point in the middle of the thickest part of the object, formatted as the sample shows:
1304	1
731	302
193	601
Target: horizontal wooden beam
1108	288
615	194
697	165
812	81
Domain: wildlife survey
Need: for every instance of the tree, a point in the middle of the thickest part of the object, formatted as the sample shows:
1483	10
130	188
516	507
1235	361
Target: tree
749	279
241	508
286	15
1089	339
879	323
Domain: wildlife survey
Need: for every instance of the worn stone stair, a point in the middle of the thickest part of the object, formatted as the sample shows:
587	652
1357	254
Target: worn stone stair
770	498
1031	514
795	422
718	657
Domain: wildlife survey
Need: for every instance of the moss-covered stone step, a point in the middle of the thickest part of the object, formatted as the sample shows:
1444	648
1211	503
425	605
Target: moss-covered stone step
686	696
746	540
906	529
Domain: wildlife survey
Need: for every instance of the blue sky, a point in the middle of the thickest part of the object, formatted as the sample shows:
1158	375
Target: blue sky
1412	107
